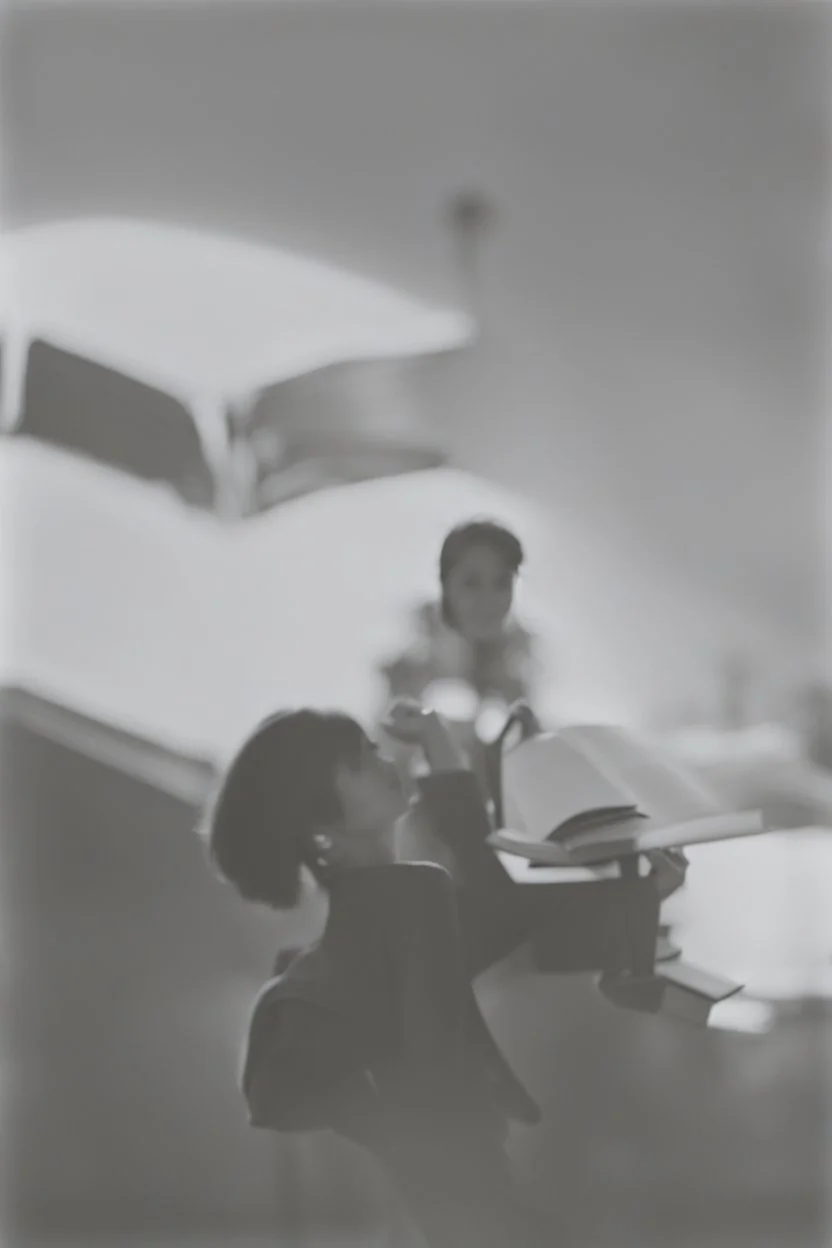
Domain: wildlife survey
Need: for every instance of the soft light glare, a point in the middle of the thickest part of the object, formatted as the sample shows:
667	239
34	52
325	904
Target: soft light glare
760	911
452	699
491	719
743	1014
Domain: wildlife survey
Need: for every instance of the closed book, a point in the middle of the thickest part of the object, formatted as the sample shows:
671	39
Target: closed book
691	993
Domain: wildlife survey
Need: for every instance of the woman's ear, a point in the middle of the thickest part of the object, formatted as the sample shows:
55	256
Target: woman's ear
322	847
326	847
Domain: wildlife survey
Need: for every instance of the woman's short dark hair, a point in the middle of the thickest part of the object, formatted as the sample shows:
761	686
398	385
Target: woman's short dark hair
277	791
469	535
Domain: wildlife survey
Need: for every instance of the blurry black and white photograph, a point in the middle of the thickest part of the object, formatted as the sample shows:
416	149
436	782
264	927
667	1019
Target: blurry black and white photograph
415	636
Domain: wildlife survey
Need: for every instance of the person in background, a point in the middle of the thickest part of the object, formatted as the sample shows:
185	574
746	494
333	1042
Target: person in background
375	1032
468	637
479	564
478	568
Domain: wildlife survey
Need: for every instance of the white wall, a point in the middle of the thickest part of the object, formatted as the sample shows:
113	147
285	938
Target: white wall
654	284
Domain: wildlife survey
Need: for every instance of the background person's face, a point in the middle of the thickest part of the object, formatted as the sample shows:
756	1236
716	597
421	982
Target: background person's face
479	592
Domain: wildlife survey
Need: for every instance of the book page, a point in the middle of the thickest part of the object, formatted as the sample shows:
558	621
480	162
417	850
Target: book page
663	788
547	853
647	835
547	782
524	872
710	828
628	837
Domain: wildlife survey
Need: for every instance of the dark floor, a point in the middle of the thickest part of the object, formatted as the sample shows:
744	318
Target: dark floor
654	1136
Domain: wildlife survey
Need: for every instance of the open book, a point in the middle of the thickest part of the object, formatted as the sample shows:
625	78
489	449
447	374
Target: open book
589	794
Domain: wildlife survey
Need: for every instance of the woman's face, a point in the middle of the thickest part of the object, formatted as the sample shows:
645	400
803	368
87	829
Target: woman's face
478	591
372	799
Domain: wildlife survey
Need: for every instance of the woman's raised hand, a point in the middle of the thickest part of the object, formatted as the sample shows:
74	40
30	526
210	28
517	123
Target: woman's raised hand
669	870
523	713
408	721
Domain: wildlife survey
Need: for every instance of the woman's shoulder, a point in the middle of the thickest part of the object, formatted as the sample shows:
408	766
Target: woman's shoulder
281	1020
299	975
415	876
278	1006
299	988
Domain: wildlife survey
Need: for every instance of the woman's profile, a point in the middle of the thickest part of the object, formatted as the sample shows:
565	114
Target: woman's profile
374	1032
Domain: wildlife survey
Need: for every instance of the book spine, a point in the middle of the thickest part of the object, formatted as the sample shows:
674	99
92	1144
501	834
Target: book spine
629	828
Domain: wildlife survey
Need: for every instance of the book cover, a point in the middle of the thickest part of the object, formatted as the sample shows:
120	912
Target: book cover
691	993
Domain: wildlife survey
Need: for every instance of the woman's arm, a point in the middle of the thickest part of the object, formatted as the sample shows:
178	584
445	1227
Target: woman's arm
593	923
589	923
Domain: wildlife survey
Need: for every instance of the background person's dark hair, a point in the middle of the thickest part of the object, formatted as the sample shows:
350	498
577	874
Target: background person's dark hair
466	536
278	790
